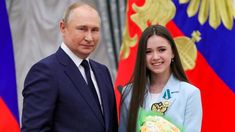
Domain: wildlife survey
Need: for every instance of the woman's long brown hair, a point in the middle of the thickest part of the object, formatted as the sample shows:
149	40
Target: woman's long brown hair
141	73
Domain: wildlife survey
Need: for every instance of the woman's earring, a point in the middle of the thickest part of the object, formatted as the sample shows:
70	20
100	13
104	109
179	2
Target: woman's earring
172	60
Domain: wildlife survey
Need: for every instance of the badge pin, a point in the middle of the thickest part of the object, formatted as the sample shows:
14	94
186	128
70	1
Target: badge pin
160	107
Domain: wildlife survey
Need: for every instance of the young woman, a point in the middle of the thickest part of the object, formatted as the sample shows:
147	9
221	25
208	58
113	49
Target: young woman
159	83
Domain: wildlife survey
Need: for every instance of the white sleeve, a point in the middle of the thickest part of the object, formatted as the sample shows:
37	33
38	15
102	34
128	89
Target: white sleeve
125	102
193	113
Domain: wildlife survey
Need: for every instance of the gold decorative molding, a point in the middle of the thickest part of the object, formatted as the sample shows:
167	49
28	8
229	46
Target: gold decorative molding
127	43
153	12
216	11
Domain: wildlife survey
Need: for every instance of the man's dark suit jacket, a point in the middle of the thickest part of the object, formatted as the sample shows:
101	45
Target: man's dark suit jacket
57	98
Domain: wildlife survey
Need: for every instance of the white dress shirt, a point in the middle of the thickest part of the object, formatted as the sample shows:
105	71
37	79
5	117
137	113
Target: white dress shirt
78	62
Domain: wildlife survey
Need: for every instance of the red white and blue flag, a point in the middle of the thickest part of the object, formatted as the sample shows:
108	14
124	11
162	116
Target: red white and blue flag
9	115
205	36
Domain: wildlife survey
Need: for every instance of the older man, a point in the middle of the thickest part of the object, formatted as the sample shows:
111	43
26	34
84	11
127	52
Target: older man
67	91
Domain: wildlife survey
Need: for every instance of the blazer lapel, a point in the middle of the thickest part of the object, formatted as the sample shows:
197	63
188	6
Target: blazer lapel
72	71
170	91
101	82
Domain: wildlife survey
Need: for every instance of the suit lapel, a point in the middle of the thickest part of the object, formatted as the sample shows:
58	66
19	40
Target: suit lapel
72	71
101	82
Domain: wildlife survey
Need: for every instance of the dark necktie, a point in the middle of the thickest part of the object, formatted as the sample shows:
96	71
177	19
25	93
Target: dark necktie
89	82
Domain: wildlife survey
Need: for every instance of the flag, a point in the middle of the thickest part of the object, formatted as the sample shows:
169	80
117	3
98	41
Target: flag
9	115
204	33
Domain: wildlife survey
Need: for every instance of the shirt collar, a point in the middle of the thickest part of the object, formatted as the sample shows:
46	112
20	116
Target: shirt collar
74	58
